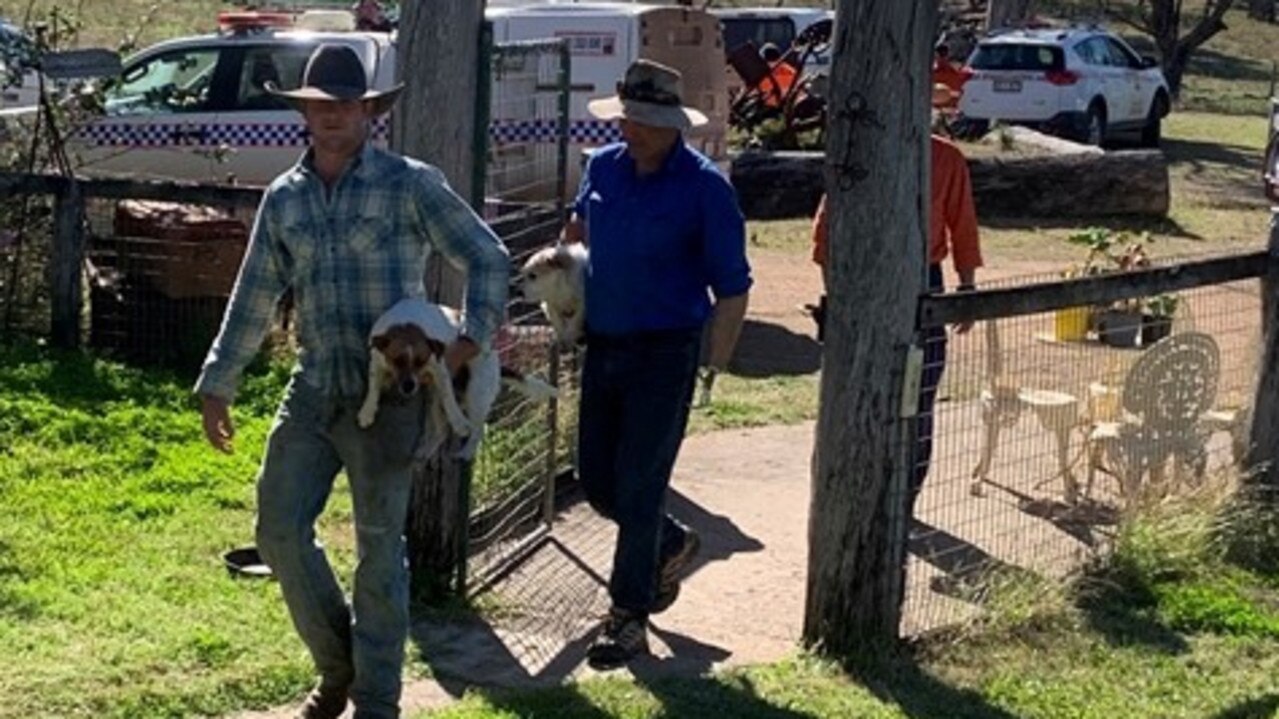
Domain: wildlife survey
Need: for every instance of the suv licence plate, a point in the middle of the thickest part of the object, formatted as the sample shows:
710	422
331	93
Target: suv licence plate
1007	86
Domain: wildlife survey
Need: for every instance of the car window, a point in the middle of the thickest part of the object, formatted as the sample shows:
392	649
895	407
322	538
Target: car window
1120	56
281	65
1093	52
780	31
1010	56
173	82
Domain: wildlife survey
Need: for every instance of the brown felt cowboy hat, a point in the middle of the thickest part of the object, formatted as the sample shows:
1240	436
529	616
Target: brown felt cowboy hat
649	95
335	73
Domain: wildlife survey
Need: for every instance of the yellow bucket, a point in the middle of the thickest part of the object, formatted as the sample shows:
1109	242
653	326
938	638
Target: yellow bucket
1071	324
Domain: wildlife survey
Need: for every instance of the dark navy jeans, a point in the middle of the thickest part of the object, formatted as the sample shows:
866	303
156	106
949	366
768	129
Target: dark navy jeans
934	339
636	391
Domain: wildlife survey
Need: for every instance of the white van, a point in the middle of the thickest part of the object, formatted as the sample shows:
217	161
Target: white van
604	38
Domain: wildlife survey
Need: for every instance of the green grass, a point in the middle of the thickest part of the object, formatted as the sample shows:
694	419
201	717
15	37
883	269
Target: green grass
113	602
740	402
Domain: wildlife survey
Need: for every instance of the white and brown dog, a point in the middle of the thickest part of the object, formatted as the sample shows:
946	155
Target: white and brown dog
556	277
407	346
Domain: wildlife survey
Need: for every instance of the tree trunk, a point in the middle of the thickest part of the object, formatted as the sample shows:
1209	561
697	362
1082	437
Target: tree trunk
434	121
1008	13
1163	22
1263	446
1263	10
877	150
1131	182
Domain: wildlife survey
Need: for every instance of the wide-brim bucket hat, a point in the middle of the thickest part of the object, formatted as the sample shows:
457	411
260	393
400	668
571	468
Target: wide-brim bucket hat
335	73
650	94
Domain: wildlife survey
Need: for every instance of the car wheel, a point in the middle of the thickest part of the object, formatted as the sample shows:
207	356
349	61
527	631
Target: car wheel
1095	131
1152	132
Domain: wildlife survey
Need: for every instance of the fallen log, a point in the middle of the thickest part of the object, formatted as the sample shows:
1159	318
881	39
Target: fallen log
1083	184
1129	182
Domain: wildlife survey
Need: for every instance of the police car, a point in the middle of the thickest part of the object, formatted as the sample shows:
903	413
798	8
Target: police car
196	108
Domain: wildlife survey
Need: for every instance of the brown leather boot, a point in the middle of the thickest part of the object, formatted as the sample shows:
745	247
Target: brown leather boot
323	703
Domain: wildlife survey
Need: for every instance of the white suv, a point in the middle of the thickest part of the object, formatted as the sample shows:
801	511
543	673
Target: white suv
1082	83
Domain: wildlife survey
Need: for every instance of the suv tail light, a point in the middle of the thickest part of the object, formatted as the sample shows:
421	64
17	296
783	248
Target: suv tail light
1062	77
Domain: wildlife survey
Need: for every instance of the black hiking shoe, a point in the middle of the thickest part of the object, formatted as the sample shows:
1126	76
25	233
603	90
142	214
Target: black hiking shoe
672	571
324	702
623	637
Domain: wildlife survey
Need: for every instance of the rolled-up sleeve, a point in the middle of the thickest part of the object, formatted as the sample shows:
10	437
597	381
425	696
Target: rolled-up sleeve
724	238
469	244
250	310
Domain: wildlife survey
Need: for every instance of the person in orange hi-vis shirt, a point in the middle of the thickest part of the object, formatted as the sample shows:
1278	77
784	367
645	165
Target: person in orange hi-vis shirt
777	84
952	233
945	73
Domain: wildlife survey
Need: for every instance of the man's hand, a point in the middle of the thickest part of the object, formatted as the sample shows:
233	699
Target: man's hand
218	428
967	283
463	350
574	231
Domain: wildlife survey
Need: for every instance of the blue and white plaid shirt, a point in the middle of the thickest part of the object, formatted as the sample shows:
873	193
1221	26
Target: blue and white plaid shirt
349	253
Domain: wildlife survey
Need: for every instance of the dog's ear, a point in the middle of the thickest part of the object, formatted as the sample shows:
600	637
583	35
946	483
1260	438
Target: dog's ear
380	342
436	347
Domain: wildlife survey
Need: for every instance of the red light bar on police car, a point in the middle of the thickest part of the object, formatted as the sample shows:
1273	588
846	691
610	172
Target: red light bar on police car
251	20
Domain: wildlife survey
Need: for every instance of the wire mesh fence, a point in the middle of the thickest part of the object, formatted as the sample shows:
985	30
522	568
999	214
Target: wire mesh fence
513	486
1048	427
26	243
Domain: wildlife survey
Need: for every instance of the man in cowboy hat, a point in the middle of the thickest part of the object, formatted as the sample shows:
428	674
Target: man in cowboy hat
349	229
665	236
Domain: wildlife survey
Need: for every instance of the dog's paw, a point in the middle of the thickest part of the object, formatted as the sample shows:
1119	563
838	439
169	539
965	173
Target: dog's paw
366	416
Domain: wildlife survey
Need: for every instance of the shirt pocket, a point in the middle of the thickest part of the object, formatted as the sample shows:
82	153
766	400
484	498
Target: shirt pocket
370	233
299	242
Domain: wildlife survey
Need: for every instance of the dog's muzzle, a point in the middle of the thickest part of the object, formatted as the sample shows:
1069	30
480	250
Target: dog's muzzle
408	386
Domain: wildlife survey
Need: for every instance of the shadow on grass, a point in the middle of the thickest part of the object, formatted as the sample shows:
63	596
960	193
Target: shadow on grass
1211	63
1265	707
81	380
1197	153
893	675
1122	607
77	379
1155	225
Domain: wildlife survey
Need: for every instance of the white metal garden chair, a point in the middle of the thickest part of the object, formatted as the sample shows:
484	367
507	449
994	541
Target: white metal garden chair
1001	407
1166	396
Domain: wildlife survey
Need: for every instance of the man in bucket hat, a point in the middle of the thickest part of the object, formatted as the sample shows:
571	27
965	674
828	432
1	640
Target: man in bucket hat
349	229
665	236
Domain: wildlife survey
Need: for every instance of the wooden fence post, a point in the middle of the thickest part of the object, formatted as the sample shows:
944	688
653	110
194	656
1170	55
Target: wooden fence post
1264	441
67	295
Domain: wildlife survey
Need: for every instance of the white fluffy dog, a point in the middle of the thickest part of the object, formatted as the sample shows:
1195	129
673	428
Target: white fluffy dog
556	277
407	351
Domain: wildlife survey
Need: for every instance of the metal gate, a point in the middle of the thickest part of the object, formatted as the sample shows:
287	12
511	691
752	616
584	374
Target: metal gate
521	168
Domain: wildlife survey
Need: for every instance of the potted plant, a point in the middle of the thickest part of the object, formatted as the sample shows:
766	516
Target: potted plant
1118	324
1156	321
1071	324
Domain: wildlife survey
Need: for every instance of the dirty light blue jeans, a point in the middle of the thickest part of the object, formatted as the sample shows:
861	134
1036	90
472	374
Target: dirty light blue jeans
636	392
359	645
